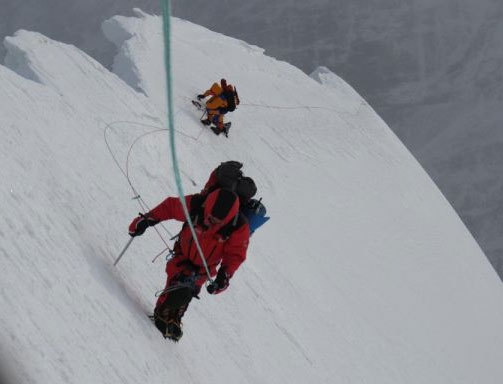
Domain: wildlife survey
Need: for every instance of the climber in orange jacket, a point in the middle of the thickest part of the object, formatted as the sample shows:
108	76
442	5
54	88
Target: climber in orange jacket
224	98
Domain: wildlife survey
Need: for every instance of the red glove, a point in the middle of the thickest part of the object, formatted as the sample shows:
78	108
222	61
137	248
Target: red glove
140	224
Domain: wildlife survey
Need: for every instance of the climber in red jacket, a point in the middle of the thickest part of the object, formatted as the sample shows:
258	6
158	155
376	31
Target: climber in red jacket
223	234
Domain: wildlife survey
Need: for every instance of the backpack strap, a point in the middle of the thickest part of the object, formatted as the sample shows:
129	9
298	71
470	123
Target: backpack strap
196	208
238	221
197	213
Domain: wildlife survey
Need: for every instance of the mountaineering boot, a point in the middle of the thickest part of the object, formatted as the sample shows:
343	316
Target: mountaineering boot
174	330
170	325
159	322
206	121
160	325
174	326
216	131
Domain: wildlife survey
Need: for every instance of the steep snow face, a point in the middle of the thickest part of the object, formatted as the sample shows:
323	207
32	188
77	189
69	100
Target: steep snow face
426	66
363	274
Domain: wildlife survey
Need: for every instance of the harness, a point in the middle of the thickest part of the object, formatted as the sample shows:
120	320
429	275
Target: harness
197	214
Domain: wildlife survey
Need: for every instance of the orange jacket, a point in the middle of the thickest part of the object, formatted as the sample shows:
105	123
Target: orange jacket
216	91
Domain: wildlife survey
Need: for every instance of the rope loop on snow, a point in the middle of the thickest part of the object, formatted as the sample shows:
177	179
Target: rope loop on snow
136	195
297	107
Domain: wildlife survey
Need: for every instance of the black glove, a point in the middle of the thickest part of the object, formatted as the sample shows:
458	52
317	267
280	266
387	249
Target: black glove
140	224
200	97
220	284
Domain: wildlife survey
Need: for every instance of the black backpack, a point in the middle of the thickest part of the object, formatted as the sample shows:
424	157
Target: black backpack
230	97
230	176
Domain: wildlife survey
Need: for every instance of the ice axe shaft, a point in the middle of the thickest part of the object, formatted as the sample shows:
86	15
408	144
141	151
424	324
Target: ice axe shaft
123	251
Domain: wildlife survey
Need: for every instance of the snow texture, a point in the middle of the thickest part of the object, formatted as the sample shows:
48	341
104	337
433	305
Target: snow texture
363	274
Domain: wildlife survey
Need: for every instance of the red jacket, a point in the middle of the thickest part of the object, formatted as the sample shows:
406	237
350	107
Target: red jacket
228	253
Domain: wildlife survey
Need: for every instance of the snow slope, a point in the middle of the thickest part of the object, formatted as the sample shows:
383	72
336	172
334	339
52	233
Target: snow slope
363	274
432	70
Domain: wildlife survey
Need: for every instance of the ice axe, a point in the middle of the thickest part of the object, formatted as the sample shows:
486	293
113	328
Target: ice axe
124	250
